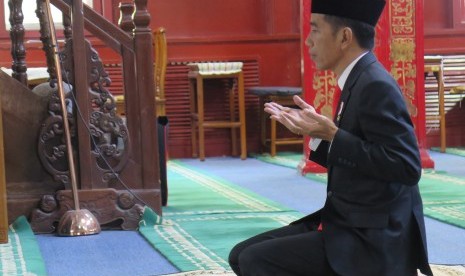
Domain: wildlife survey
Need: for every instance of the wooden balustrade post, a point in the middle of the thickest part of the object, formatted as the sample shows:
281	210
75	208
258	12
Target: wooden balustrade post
18	52
67	28
143	49
81	90
125	17
45	37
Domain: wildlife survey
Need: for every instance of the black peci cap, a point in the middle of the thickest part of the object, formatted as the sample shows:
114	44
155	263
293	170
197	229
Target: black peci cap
367	11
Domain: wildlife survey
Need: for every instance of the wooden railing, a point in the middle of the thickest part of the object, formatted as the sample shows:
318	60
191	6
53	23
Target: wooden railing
133	168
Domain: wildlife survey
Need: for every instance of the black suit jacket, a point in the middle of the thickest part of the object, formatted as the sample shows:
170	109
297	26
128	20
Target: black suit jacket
373	214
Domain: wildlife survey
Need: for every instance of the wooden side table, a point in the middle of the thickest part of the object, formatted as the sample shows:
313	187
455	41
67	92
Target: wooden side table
283	96
198	73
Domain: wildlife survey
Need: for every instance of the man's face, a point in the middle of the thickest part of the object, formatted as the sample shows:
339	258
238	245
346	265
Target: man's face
323	44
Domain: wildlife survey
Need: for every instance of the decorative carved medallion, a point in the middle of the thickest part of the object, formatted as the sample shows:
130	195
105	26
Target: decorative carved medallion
52	145
107	131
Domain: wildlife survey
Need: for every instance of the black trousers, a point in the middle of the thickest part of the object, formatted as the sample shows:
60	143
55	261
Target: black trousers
291	250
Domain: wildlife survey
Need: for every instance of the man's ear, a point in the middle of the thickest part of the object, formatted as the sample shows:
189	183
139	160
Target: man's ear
347	37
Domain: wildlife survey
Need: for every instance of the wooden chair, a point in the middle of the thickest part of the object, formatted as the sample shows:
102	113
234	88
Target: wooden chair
161	61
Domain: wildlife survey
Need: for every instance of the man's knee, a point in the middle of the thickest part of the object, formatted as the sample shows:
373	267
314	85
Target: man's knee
233	258
248	259
257	259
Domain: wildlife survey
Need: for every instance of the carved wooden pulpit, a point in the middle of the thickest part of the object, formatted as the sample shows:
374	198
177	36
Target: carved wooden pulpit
118	170
398	46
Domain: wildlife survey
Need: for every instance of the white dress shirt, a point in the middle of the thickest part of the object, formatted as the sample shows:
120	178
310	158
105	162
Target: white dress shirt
341	81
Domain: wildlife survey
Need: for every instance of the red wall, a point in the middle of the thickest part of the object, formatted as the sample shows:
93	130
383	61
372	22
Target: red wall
265	31
444	30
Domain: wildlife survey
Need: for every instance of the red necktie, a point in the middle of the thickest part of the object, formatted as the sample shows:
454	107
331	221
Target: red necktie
336	104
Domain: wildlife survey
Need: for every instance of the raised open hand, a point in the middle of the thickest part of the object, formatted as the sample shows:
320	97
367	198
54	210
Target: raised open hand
302	120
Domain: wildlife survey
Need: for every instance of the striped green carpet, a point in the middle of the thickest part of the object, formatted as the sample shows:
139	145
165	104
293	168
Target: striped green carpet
198	199
443	195
21	255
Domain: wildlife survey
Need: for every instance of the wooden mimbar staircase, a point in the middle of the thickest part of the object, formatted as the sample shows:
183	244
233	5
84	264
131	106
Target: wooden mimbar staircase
117	160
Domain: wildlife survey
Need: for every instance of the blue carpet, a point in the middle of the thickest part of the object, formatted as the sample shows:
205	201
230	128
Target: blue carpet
126	253
110	253
452	164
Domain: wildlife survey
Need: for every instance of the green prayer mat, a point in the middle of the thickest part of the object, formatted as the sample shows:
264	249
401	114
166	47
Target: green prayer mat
454	151
21	255
206	218
443	195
